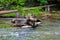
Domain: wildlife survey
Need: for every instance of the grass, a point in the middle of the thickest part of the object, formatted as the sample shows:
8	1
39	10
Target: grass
10	14
55	15
5	26
40	14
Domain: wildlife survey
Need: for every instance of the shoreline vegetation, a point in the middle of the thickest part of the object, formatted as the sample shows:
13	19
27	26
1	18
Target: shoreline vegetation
39	15
34	7
54	16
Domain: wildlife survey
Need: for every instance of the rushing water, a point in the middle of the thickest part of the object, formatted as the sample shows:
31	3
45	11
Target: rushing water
48	30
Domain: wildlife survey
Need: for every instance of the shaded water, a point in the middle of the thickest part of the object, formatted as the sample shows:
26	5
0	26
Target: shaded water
48	30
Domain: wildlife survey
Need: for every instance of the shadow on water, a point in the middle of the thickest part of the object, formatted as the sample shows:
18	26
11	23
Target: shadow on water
46	31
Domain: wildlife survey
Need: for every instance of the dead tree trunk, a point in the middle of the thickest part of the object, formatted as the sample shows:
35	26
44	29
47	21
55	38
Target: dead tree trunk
8	11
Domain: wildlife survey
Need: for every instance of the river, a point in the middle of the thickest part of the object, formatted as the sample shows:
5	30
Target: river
48	30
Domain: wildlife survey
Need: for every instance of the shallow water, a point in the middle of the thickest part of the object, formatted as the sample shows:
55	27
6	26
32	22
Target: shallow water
48	30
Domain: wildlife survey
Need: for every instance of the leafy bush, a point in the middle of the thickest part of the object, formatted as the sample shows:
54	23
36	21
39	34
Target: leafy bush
19	4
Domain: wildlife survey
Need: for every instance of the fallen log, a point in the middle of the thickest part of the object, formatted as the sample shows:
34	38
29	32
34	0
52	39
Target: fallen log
8	11
38	7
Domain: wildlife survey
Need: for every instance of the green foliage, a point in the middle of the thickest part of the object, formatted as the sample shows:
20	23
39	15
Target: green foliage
58	1
35	11
6	2
5	26
44	2
19	4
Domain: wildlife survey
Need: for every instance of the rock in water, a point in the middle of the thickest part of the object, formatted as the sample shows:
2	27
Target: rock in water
26	26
